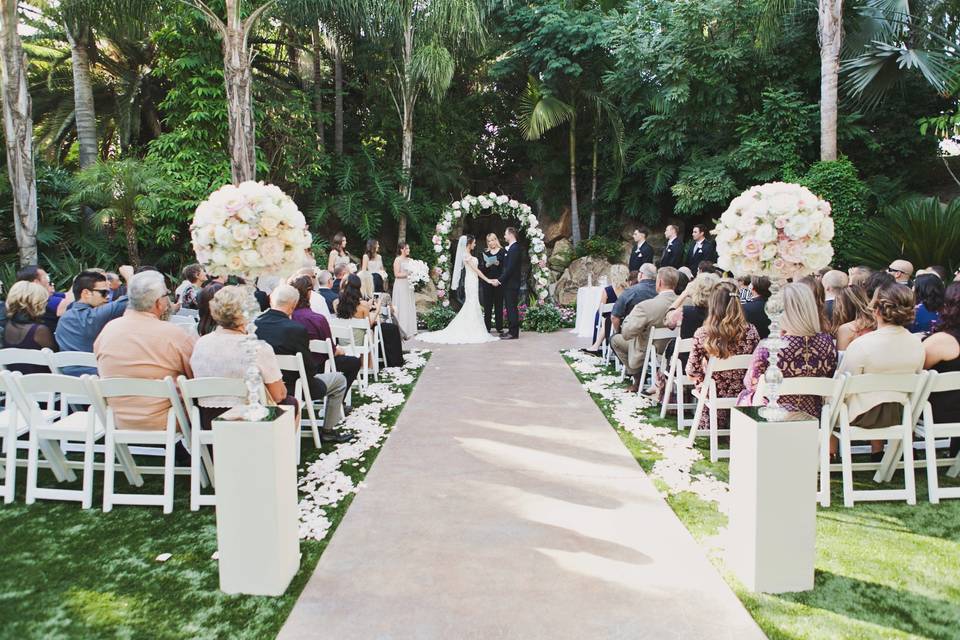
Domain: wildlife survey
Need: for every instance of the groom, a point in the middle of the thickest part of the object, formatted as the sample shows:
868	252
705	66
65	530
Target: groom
510	282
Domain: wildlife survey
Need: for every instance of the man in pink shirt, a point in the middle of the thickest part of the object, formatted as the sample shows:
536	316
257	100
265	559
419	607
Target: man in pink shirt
142	344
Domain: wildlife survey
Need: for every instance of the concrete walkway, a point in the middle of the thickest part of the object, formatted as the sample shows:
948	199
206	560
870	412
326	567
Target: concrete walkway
504	506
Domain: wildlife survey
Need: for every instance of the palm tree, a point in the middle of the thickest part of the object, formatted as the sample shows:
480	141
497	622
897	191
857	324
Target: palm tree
235	32
417	38
18	131
120	190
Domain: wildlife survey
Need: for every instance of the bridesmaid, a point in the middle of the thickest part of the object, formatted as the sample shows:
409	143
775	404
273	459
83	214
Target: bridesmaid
338	252
403	299
373	262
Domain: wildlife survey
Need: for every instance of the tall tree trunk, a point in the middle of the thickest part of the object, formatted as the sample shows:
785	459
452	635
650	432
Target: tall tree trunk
574	209
831	38
337	98
238	79
83	107
318	85
593	187
18	131
130	231
408	96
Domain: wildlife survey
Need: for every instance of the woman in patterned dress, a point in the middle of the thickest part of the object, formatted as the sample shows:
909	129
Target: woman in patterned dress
809	351
724	334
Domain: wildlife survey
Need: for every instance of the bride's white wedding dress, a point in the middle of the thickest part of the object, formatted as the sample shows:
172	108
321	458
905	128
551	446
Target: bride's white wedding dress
468	327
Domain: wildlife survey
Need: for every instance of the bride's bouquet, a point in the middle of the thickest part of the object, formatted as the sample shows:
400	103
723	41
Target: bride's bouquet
419	273
780	230
250	229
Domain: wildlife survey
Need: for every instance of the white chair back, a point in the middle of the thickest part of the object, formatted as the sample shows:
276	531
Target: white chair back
197	388
325	348
188	313
14	356
302	394
733	363
58	360
107	388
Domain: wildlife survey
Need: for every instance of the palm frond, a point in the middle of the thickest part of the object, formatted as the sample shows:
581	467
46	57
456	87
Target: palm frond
433	67
922	230
540	112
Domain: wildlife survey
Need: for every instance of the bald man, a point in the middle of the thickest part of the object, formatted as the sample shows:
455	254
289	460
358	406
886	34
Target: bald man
901	270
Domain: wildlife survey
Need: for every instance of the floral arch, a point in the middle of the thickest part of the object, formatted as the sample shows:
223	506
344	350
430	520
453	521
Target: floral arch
506	208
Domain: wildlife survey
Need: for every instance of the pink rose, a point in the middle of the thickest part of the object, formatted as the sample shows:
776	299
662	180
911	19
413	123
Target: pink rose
779	264
791	251
436	239
780	222
751	247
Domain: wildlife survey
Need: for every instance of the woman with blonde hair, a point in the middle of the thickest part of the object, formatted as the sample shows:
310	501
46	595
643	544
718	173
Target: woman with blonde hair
852	317
490	265
809	351
725	333
26	304
609	295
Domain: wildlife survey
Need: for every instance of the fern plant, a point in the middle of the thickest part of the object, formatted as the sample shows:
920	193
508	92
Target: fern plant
924	231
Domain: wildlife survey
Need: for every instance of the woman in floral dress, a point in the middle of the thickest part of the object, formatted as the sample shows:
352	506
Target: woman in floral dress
809	352
724	334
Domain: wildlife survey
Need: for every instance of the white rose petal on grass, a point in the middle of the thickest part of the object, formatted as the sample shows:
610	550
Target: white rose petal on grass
163	557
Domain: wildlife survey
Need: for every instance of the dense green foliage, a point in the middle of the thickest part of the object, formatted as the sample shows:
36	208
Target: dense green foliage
669	109
437	317
922	230
601	247
837	182
547	318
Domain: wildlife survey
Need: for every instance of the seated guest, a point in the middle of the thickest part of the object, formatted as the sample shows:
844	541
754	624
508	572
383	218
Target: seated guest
52	310
276	328
319	329
809	352
852	317
877	280
743	288
630	344
352	305
117	288
889	349
725	333
645	289
219	354
80	325
206	323
928	290
820	296
141	344
938	270
608	296
324	284
859	275
901	270
339	273
754	310
690	316
706	266
682	281
317	302
189	290
942	354
26	304
833	281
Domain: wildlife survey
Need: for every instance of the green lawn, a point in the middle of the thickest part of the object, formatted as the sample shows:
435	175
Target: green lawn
883	569
70	573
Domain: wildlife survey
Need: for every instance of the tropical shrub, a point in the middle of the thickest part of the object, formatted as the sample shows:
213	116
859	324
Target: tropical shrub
838	182
437	318
601	247
544	318
922	230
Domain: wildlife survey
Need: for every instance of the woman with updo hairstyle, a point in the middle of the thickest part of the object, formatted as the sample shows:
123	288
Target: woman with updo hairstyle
809	351
725	333
889	349
26	304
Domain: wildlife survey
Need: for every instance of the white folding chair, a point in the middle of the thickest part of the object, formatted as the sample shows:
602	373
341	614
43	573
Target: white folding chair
342	332
650	358
13	424
302	394
677	381
59	360
327	348
202	439
118	434
604	345
13	356
910	387
939	383
709	400
188	313
46	433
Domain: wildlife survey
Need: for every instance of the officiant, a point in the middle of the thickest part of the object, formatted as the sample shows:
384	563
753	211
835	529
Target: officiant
490	264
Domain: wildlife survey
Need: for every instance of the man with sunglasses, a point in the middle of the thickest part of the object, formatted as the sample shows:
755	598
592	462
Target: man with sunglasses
91	310
901	270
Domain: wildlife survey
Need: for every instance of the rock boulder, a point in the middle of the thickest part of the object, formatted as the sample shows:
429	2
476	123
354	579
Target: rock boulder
581	272
426	297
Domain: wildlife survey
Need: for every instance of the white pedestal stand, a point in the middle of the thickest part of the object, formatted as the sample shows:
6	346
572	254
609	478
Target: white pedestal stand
773	491
255	469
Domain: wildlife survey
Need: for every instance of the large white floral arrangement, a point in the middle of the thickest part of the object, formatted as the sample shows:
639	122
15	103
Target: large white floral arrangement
419	273
250	229
779	230
507	208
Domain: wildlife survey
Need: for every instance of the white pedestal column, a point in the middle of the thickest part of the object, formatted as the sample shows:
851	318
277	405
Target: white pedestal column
773	487
255	468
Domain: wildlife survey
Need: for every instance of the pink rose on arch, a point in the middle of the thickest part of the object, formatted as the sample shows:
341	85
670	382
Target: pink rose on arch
779	264
780	222
436	239
751	247
791	251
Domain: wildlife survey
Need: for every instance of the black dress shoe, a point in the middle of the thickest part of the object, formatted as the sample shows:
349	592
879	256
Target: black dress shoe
592	352
335	436
509	337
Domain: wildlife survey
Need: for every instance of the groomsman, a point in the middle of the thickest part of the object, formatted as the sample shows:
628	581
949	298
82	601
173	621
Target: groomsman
642	252
673	252
703	249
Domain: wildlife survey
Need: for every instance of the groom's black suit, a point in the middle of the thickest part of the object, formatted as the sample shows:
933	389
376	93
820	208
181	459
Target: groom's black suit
510	283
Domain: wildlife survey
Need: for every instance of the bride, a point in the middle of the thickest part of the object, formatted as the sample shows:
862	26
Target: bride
468	327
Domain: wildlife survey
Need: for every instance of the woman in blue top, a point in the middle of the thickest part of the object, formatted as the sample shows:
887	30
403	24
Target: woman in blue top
928	290
610	295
